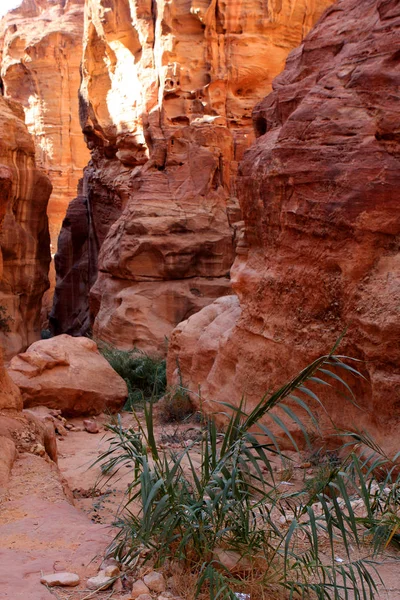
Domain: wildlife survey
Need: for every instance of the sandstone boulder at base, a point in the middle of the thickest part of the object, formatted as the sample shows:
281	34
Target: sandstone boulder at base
69	374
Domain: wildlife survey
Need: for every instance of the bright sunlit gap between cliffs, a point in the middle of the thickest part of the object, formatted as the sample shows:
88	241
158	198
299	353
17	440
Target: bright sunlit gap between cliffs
6	5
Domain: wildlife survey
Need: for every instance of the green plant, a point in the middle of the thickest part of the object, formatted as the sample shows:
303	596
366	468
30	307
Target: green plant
145	376
232	503
5	320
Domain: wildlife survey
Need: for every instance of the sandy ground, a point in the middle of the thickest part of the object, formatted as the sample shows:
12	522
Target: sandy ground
42	532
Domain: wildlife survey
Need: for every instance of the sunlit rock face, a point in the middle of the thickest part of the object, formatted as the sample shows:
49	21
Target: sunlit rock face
24	234
41	47
319	195
166	100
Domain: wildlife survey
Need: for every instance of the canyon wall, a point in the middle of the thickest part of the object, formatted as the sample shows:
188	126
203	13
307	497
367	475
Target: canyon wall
24	233
41	49
166	100
320	200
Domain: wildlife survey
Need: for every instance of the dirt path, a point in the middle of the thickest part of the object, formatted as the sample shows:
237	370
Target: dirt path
41	531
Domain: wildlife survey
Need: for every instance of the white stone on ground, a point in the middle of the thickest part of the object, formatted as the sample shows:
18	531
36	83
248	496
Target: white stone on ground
62	579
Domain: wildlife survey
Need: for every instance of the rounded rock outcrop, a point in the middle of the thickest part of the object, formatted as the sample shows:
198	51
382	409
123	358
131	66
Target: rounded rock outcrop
68	374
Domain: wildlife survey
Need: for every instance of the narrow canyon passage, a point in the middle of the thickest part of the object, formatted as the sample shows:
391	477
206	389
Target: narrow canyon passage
220	180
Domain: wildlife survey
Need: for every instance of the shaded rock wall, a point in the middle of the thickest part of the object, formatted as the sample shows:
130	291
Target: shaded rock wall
10	397
319	194
41	48
166	100
24	233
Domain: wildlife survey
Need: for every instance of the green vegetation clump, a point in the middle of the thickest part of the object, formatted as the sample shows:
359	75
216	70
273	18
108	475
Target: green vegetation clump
5	320
194	511
145	376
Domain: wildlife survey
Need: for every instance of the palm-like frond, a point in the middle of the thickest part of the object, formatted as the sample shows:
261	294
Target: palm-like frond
180	509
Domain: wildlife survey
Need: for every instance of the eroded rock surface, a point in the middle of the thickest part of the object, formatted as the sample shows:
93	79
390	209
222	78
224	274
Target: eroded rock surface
68	374
24	234
319	194
41	48
166	102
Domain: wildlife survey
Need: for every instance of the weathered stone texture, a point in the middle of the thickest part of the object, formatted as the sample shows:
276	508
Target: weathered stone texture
319	195
41	49
68	374
24	234
166	100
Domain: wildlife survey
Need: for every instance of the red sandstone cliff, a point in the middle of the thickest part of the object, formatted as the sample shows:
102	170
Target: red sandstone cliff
166	102
319	191
41	48
24	233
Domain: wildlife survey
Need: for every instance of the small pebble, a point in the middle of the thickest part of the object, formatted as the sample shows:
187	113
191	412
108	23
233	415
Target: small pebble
112	571
101	581
139	588
91	426
63	579
155	581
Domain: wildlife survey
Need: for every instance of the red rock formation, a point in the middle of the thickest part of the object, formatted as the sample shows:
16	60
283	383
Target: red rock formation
68	374
167	94
319	194
24	234
41	48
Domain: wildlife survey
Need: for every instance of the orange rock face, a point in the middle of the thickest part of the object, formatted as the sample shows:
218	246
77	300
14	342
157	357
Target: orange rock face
24	234
167	94
319	194
68	374
41	47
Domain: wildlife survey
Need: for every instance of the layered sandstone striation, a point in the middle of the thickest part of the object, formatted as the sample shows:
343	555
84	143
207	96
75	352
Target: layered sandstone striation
166	100
319	194
41	48
24	192
24	234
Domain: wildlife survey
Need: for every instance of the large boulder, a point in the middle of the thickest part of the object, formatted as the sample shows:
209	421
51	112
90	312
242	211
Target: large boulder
69	374
319	195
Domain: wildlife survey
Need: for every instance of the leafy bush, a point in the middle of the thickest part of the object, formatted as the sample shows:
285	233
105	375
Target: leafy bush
179	511
5	320
145	376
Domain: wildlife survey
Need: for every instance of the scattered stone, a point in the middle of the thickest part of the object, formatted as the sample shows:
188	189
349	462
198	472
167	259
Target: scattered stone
144	597
100	582
60	429
155	581
139	588
69	426
55	412
91	426
62	579
38	449
112	571
305	465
